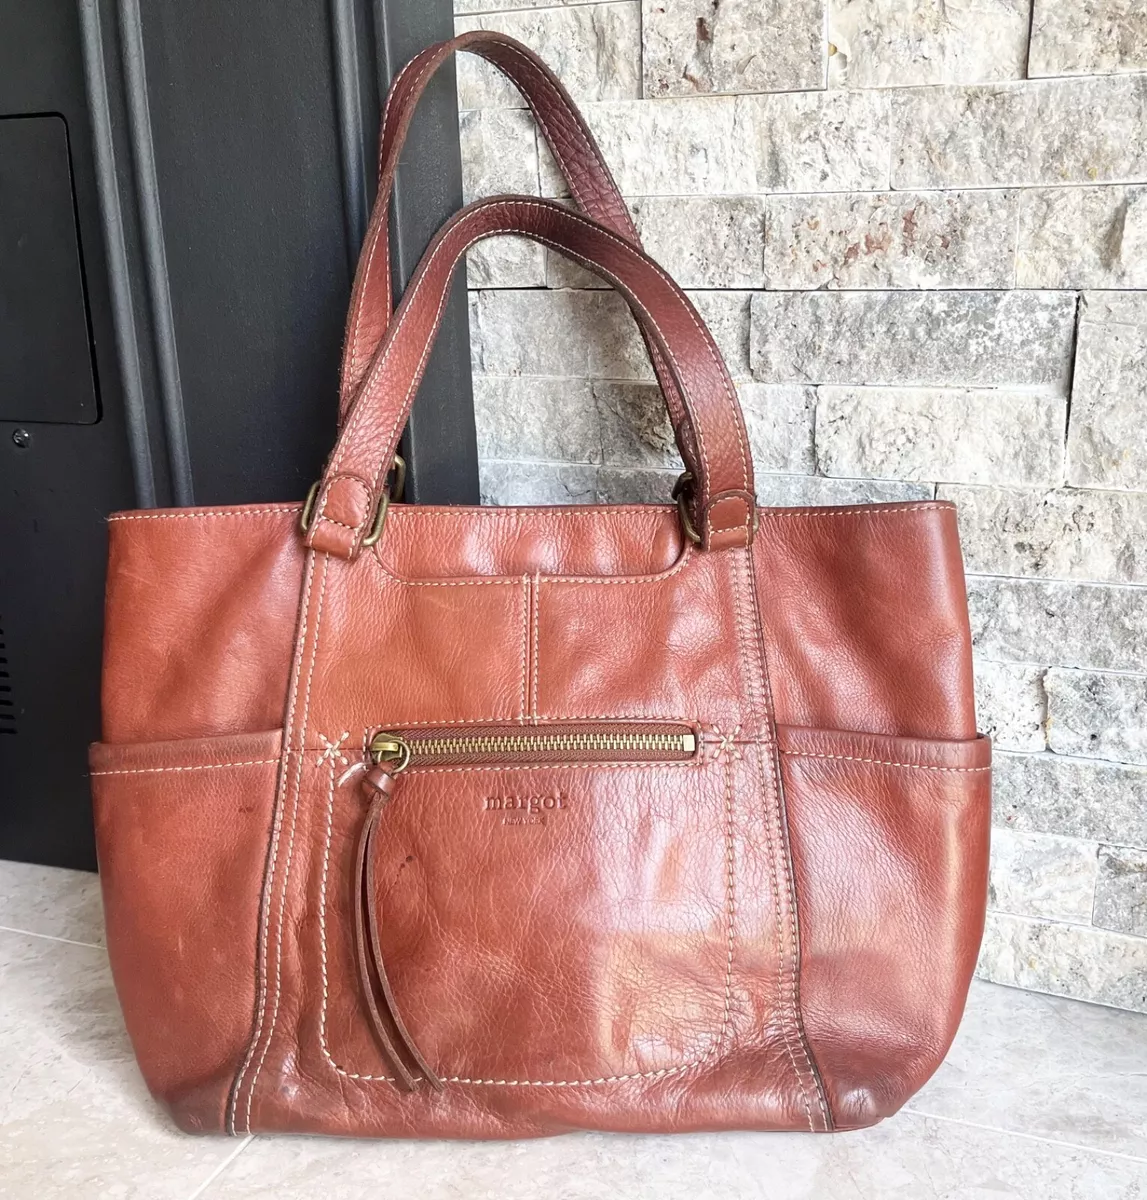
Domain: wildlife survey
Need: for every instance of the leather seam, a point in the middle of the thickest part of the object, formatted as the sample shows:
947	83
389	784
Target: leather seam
882	762
290	844
659	1073
254	762
537	604
856	510
656	511
459	512
618	580
784	932
186	516
334	521
264	762
516	511
684	764
512	580
783	862
382	234
527	602
500	720
750	505
321	515
273	853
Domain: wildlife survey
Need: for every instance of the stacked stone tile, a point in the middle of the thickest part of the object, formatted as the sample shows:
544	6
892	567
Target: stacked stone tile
917	231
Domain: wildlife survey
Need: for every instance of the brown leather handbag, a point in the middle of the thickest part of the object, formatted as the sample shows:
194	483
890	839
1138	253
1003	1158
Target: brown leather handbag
465	822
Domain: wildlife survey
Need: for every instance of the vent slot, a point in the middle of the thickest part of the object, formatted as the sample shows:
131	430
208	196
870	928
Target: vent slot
7	703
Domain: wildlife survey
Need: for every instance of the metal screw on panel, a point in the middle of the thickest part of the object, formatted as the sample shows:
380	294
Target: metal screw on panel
22	438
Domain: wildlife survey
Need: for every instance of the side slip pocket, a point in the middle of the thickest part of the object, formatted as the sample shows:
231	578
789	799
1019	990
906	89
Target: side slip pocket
181	832
890	853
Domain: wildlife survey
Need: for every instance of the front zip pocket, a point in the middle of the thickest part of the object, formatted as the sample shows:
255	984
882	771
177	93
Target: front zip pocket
517	745
547	905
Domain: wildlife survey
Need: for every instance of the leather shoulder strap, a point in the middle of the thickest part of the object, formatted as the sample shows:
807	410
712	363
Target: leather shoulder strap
573	146
352	486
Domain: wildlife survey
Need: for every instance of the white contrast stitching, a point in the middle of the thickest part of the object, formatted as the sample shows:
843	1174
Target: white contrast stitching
194	514
853	510
656	512
269	885
418	513
321	515
688	763
526	604
728	742
537	612
507	580
881	762
782	865
254	762
382	233
771	838
290	844
567	720
332	751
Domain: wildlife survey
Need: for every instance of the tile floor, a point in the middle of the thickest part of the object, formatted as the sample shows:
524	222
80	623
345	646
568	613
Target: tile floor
1039	1099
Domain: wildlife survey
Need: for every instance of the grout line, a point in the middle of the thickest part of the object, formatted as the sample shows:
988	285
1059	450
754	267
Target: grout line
1027	75
1026	391
51	937
1068	923
1032	1137
673	471
1050	579
1061	757
1065	468
202	1188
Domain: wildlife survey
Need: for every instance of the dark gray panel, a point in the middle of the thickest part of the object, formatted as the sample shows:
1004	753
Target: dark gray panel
246	153
45	360
57	482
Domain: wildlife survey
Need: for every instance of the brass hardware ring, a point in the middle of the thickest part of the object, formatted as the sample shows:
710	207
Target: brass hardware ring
395	493
682	493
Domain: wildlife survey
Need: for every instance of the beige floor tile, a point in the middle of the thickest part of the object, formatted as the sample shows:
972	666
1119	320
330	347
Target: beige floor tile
908	1158
75	1119
1041	1065
51	901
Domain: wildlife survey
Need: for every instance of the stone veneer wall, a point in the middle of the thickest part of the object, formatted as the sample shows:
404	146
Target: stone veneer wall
918	231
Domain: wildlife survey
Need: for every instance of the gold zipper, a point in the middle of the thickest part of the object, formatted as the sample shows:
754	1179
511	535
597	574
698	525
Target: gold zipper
414	748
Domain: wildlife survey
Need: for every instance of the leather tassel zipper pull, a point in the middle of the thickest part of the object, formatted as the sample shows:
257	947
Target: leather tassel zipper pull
385	760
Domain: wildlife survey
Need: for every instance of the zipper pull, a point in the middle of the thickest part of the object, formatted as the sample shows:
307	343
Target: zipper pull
387	756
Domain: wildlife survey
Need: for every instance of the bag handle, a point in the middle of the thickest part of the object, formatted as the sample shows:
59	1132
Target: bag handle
351	499
577	154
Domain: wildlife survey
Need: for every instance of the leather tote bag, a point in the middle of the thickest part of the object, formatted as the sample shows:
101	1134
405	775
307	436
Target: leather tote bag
465	822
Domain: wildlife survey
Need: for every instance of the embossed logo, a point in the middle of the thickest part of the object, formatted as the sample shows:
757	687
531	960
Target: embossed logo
525	810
